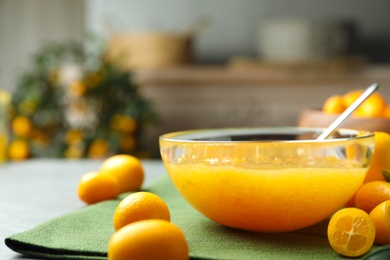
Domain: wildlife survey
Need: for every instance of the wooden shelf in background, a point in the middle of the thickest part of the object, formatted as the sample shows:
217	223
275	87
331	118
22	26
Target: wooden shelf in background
225	75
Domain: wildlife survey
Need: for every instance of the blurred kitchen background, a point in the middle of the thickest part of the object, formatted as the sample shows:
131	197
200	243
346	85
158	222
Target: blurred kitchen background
219	63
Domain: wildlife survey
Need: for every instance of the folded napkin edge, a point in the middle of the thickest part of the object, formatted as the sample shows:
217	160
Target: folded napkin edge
49	253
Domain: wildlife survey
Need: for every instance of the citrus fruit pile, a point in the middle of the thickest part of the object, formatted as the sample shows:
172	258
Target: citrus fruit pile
141	220
353	230
374	106
18	148
117	174
144	231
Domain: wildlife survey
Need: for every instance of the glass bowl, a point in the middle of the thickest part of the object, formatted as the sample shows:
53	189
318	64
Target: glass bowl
274	179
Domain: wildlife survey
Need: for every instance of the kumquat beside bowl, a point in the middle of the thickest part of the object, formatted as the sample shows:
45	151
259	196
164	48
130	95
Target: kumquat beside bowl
274	179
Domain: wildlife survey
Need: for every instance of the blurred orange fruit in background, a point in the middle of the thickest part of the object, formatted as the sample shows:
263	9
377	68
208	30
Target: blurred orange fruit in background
373	107
334	105
21	126
386	113
18	150
98	148
351	96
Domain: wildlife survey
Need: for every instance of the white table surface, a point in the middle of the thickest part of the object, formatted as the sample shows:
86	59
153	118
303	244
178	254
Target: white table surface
37	190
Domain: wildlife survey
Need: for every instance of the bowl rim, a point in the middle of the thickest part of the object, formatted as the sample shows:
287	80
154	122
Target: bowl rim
193	136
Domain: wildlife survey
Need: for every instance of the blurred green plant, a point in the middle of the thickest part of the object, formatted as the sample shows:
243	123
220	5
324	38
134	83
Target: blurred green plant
75	104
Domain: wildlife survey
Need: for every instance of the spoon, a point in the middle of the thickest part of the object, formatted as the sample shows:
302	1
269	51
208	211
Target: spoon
346	114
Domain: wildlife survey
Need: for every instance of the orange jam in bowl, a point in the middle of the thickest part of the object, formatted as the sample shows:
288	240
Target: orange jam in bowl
266	179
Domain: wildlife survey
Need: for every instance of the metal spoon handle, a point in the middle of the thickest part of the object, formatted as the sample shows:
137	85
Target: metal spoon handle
344	116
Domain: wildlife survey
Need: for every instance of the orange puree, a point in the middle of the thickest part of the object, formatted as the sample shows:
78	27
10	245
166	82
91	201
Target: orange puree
268	200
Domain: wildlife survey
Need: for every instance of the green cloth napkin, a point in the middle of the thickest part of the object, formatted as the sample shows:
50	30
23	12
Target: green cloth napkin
84	234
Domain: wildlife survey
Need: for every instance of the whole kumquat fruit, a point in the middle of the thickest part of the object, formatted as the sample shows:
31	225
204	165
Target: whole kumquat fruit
152	239
124	123
126	169
18	150
372	194
380	159
333	105
351	232
140	206
94	187
351	96
351	202
374	106
21	126
99	148
380	215
386	113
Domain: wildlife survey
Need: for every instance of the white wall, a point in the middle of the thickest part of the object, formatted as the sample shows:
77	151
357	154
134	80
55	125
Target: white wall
25	25
235	23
